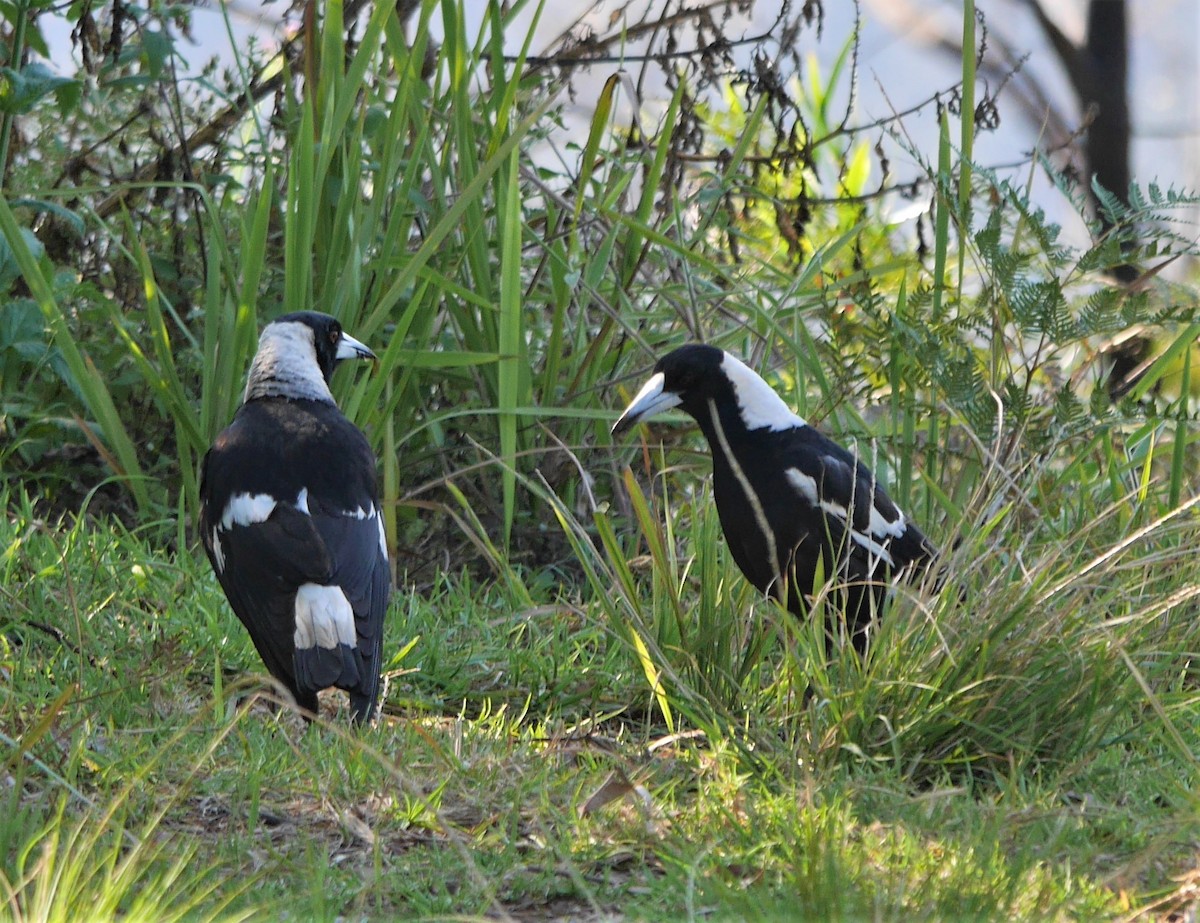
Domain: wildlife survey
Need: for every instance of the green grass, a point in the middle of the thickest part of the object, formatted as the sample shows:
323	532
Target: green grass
146	771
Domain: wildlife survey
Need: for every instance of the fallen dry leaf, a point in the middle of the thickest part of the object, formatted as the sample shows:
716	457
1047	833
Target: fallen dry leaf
614	788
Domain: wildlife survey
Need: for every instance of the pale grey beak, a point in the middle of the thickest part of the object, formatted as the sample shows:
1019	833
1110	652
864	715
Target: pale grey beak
350	348
650	400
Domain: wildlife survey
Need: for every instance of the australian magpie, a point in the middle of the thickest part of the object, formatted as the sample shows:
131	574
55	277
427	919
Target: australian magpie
792	502
290	518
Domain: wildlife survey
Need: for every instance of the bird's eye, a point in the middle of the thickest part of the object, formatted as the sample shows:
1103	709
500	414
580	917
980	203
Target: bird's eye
335	334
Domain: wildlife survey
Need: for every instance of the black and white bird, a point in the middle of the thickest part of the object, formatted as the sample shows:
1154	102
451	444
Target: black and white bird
291	522
792	503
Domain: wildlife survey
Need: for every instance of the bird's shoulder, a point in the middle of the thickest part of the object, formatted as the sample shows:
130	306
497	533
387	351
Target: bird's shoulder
281	447
808	450
280	425
821	469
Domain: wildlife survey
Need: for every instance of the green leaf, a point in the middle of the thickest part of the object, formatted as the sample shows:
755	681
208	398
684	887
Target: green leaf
23	330
92	383
9	269
53	208
21	90
157	47
650	671
68	96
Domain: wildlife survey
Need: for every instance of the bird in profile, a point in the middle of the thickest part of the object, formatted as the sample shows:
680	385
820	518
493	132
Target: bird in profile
290	518
793	504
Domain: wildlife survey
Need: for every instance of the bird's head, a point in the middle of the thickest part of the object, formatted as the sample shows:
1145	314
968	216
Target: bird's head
330	342
693	376
297	354
684	377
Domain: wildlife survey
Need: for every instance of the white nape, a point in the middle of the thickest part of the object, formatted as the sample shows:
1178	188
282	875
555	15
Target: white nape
286	365
324	618
758	403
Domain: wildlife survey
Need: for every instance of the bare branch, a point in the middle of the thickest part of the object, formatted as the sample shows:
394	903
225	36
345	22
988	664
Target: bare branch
217	127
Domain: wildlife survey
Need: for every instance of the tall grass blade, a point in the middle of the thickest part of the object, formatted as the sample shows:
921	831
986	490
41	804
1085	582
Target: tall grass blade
512	364
85	377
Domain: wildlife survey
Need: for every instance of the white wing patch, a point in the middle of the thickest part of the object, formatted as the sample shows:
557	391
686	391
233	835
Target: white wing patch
218	552
324	618
880	525
757	401
382	533
246	509
302	501
873	546
807	486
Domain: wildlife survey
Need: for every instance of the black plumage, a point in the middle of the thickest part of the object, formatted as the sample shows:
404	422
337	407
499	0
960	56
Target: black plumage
792	503
291	522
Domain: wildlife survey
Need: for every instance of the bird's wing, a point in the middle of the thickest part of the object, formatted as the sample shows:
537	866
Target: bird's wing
357	550
260	565
853	504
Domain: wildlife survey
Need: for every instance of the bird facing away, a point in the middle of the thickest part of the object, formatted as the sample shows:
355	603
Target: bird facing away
290	518
792	502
